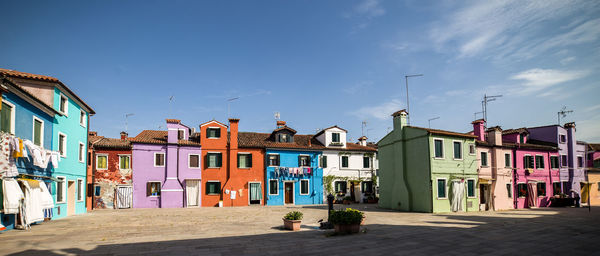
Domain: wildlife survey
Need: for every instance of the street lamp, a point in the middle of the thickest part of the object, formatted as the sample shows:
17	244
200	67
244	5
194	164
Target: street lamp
407	104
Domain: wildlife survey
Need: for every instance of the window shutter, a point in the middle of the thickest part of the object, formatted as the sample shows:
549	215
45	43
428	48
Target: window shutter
299	161
219	160
148	189
206	161
324	161
249	160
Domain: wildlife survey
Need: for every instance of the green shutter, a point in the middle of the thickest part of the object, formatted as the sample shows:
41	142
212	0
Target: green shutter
37	132
5	114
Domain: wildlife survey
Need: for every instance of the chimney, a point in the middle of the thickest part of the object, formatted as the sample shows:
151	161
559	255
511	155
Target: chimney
124	135
233	133
92	133
280	124
362	141
400	119
173	126
479	129
495	136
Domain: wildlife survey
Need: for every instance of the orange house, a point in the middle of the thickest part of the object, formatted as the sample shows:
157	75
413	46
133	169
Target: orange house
231	176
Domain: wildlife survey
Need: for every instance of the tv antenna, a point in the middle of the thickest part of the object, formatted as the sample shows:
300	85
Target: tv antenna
229	103
475	114
484	103
563	112
431	119
170	105
127	116
363	126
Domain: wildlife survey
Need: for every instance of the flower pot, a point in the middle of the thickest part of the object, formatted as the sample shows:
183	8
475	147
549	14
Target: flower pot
362	222
293	225
347	228
347	202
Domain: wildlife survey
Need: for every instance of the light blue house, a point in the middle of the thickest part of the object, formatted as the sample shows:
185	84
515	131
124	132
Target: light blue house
69	137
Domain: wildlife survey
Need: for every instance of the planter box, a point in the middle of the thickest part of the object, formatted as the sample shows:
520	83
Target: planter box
293	225
347	228
347	202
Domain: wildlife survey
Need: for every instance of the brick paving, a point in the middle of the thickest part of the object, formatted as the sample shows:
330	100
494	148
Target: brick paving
257	231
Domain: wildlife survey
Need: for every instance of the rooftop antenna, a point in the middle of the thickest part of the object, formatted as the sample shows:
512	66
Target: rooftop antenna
363	126
431	119
229	103
484	103
408	105
127	116
277	116
563	112
475	115
170	107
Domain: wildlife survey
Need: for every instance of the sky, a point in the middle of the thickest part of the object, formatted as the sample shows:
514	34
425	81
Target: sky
317	63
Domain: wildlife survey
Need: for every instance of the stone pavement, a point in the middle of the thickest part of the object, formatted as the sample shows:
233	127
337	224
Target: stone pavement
257	231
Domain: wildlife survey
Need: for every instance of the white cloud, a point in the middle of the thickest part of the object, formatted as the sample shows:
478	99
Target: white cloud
535	80
567	60
381	111
369	9
587	130
592	108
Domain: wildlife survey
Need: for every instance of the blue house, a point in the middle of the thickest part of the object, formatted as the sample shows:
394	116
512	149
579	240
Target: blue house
28	118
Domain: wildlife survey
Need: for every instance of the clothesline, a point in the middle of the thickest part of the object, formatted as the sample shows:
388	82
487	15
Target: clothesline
293	171
12	148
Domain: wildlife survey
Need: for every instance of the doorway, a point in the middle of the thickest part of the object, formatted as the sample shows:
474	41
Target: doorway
124	199
192	191
255	194
289	192
71	198
484	197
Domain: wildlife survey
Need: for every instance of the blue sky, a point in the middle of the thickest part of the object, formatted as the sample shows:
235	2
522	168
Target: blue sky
318	63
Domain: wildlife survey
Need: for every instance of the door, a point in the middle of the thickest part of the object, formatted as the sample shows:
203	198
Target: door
71	198
352	196
192	190
289	192
255	193
124	197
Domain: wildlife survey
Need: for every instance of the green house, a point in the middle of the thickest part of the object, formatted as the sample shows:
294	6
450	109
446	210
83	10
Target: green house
427	170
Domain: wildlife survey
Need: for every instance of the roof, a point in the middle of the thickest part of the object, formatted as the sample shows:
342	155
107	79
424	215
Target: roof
284	128
397	113
160	138
111	143
48	109
335	126
173	121
540	142
594	146
493	128
512	131
442	132
531	146
478	121
19	74
213	121
357	147
265	140
372	144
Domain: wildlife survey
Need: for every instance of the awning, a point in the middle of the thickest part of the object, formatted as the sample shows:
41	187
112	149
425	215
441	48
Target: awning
485	181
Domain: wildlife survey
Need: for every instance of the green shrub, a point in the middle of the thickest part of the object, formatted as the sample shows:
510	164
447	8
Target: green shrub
348	216
348	198
293	215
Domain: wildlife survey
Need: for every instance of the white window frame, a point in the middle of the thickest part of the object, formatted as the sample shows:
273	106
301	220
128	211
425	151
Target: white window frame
243	153
486	159
276	182
63	188
443	153
81	150
474	149
535	159
99	155
461	147
66	112
212	127
474	188
582	161
339	137
159	185
559	136
518	189
308	187
12	116
64	144
208	160
154	159
509	160
362	166
80	192
525	164
309	161
82	122
41	130
128	155
190	161
342	162
278	159
249	185
558	162
445	188
183	133
565	164
221	190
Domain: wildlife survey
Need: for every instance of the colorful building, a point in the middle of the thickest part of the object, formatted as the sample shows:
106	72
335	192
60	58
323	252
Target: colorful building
166	167
593	173
427	170
109	183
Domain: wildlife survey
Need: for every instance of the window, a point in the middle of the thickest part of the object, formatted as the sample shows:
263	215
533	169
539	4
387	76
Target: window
556	188
213	132
563	160
528	162
323	162
539	162
38	132
180	134
82	118
214	160
521	138
283	137
562	138
484	159
62	144
89	158
81	152
565	186
101	162
439	148
273	187
366	162
244	160
598	186
509	190
367	187
153	188
159	159
470	188
507	160
457	147
441	189
61	189
124	162
97	190
63	105
541	189
335	137
522	189
554	162
213	188
344	161
194	161
303	161
340	187
303	187
7	117
471	149
273	159
579	161
79	190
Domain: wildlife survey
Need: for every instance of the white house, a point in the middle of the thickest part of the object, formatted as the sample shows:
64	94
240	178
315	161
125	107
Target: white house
348	168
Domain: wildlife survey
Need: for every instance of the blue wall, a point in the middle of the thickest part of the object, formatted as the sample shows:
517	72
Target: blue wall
289	158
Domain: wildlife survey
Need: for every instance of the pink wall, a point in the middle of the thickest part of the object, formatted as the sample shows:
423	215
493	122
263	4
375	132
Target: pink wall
542	175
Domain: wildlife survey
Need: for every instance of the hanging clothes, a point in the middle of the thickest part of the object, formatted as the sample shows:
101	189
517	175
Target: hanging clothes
47	200
33	202
12	196
18	152
458	193
8	166
531	194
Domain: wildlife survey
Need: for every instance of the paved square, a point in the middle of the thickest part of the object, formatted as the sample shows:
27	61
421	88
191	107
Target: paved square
256	231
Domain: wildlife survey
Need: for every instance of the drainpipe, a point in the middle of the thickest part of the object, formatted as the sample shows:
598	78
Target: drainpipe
514	181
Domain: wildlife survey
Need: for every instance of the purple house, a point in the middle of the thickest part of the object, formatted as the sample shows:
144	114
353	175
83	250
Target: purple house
572	153
166	167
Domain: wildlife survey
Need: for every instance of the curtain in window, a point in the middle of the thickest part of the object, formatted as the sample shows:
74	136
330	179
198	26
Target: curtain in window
124	162
531	195
192	191
458	193
102	162
255	193
243	161
212	160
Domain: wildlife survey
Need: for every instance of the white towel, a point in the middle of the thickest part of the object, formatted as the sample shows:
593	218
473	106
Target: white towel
12	195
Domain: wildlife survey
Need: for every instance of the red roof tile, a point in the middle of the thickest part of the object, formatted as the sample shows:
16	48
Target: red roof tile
160	137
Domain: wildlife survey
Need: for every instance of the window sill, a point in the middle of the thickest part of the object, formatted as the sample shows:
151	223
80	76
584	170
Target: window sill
190	167
152	196
457	159
159	166
305	194
273	166
245	168
60	202
444	198
213	167
213	138
438	158
213	194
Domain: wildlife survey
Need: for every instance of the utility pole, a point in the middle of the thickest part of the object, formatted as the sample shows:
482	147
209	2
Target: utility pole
407	104
484	103
563	112
431	119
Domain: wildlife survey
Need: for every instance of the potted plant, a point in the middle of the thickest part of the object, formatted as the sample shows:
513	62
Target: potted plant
346	221
347	200
292	220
